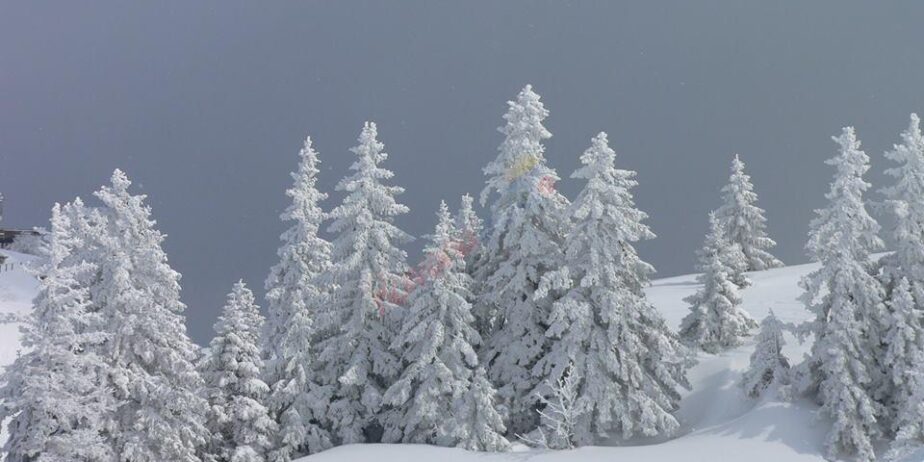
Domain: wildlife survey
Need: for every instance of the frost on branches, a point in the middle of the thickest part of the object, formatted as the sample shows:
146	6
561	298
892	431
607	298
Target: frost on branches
609	343
768	366
435	396
355	365
524	243
242	429
846	298
716	321
53	394
161	415
744	221
295	297
903	277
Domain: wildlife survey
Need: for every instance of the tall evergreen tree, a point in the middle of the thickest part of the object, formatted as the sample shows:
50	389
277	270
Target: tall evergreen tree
437	341
904	266
355	363
55	394
716	320
295	298
627	364
527	231
846	299
468	228
904	354
744	221
242	429
160	414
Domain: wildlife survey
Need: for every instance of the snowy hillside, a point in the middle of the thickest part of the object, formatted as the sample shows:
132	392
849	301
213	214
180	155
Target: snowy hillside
17	288
719	422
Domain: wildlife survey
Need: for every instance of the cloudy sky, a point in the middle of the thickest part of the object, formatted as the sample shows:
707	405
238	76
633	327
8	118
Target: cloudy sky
205	104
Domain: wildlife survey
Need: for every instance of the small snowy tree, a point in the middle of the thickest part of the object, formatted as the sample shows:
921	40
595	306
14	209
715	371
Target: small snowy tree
846	299
354	361
626	366
36	243
527	231
242	429
295	298
437	343
768	365
55	393
744	221
562	412
716	321
476	423
160	414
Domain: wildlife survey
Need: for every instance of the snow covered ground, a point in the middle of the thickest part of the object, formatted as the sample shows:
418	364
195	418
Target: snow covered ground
17	288
719	422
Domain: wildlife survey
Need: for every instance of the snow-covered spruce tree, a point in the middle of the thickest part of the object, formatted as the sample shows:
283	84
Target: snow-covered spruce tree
768	365
295	298
524	242
55	393
905	265
468	230
846	299
476	423
354	361
242	429
744	221
904	354
716	321
627	365
160	414
437	341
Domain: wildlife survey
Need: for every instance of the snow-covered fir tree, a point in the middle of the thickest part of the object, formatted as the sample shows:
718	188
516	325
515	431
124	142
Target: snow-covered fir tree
295	299
904	354
626	364
904	266
524	242
355	364
54	394
468	228
242	429
716	321
768	366
160	414
476	423
744	221
846	298
437	341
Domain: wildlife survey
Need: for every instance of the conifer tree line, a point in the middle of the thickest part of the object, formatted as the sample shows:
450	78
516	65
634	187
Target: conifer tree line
531	325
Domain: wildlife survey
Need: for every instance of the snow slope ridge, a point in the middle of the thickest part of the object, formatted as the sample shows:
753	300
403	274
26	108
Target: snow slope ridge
718	421
17	289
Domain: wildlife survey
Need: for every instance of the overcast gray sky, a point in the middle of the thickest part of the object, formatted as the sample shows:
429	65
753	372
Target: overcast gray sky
205	104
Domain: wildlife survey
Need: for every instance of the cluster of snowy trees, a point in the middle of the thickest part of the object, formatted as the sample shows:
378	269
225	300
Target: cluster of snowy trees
865	364
497	334
532	325
864	367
